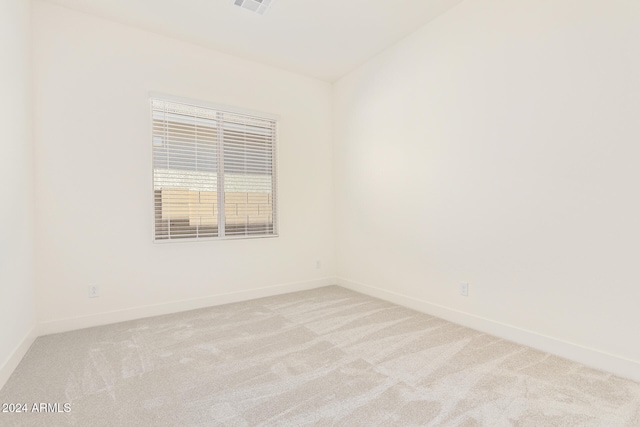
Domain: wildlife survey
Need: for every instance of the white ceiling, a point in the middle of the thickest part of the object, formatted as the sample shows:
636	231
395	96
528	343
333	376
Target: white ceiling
323	38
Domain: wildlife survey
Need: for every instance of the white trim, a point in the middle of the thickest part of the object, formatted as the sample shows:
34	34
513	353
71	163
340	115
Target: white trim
134	313
222	224
588	356
151	169
14	359
213	105
275	192
212	239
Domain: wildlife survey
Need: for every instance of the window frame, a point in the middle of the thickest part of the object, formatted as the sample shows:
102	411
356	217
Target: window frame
225	109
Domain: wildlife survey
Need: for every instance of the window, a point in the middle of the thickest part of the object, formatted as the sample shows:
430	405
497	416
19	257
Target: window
213	173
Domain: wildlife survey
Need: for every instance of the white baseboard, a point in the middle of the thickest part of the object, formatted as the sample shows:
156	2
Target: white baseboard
16	356
588	356
74	323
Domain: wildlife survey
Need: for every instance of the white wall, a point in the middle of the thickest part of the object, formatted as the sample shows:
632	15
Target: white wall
93	173
16	185
499	145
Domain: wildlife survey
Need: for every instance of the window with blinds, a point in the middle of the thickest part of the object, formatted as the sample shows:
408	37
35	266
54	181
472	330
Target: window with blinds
213	173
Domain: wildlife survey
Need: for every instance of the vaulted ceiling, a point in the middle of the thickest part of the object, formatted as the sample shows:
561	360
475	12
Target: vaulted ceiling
322	39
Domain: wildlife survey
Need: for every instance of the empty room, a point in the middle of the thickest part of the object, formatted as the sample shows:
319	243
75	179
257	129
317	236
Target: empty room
297	213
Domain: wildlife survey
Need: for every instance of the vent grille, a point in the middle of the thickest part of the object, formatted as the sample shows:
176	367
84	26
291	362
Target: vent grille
258	6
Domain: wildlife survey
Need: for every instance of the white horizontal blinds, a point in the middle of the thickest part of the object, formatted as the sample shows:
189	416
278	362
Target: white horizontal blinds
249	175
213	172
185	168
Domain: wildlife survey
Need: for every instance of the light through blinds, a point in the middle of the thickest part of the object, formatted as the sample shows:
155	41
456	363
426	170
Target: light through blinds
213	173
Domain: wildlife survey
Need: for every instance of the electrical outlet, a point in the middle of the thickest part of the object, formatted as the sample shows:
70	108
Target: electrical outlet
318	265
94	291
464	289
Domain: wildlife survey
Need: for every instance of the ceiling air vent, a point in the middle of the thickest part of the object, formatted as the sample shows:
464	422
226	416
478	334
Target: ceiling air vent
258	6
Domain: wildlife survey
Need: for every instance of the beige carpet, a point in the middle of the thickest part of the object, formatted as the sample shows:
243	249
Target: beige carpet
322	357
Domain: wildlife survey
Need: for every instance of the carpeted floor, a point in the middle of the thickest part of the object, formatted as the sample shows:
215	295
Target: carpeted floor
323	357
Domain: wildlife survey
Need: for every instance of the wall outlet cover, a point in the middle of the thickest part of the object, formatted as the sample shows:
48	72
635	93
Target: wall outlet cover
464	289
